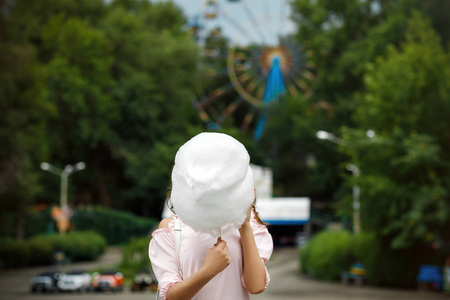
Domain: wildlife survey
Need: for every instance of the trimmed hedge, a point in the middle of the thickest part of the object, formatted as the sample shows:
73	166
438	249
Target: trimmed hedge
327	254
330	252
115	225
135	257
36	222
39	250
118	227
397	268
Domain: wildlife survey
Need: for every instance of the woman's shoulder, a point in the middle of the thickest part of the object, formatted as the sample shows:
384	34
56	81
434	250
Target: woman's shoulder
165	223
164	227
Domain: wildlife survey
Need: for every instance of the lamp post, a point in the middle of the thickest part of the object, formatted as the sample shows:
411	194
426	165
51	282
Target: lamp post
356	203
64	174
324	135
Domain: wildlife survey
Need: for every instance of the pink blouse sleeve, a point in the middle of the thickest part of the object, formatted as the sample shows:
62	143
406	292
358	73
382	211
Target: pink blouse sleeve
264	243
263	240
162	255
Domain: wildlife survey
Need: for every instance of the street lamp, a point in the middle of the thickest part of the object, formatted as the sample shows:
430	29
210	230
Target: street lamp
64	174
324	135
356	203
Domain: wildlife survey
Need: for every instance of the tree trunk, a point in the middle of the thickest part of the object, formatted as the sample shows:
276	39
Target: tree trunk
103	193
20	224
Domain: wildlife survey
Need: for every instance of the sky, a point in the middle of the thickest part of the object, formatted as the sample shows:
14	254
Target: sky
243	22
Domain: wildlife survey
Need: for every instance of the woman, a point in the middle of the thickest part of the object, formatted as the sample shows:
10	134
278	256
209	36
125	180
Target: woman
211	167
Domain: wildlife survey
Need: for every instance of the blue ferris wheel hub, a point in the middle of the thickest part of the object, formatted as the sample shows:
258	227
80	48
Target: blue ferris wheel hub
274	88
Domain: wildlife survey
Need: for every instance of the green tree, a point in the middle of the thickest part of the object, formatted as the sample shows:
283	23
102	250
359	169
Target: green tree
342	37
105	83
79	69
406	174
36	59
153	70
22	129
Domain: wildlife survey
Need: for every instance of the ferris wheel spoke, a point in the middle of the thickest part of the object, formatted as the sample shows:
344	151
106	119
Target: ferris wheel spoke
303	73
260	92
268	17
214	96
249	14
205	112
203	115
219	92
253	85
233	106
235	80
235	24
292	90
308	75
214	113
301	83
248	119
281	16
213	73
245	77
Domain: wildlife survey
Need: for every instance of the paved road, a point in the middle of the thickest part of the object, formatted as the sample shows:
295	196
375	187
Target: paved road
286	284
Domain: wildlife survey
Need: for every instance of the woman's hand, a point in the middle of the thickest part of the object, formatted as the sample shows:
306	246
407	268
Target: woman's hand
217	258
246	225
254	270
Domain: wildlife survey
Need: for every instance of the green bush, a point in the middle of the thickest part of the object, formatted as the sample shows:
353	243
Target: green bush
78	245
327	254
27	253
15	254
330	252
39	250
115	225
397	268
118	227
135	256
136	252
36	222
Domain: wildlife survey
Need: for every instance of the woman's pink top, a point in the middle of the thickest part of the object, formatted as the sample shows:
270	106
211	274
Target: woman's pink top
228	284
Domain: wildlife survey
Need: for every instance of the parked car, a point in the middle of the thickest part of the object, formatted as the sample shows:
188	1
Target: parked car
108	280
45	282
144	281
75	280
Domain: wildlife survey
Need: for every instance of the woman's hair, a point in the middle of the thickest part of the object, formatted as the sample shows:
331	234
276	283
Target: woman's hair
169	192
257	217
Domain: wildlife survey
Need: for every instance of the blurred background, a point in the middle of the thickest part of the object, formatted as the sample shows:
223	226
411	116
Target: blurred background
347	103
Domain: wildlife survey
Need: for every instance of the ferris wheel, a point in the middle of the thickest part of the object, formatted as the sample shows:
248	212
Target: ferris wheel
247	64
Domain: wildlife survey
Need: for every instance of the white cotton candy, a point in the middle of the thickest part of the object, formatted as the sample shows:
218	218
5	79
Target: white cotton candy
212	183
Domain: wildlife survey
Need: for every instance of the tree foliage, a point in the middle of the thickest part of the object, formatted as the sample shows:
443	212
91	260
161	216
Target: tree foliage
111	83
105	83
381	65
406	168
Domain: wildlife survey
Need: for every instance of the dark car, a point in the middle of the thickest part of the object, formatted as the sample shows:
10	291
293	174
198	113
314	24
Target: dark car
45	282
144	280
